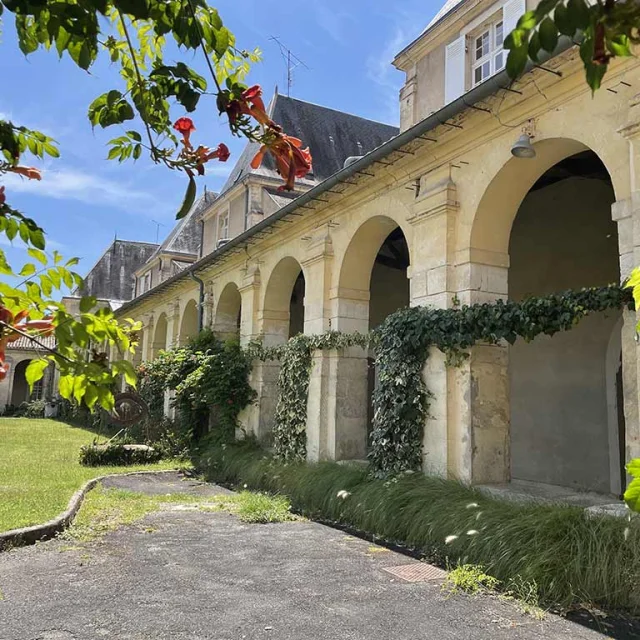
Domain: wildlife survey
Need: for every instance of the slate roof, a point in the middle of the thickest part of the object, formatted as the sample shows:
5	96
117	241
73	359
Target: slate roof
332	136
185	237
111	278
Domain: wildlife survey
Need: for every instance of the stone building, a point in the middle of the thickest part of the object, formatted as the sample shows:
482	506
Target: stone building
111	280
444	210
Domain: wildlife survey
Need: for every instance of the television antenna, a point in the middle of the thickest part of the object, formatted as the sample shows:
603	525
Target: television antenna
291	60
158	225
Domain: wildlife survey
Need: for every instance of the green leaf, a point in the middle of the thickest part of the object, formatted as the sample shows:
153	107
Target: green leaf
79	387
633	467
46	285
37	238
28	270
91	396
578	13
620	45
25	232
106	399
40	256
517	61
128	370
136	8
548	33
189	199
87	303
527	21
12	228
534	46
632	495
564	22
65	386
35	370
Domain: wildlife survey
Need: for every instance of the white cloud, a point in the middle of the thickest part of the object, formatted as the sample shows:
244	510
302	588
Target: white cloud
72	184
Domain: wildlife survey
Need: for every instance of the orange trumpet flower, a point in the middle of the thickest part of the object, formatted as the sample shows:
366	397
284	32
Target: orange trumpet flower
292	161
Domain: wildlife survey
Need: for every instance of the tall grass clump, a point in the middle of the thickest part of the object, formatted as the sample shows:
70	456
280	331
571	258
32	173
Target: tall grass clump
572	558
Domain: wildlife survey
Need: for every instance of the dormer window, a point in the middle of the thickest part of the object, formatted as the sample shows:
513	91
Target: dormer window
488	54
477	53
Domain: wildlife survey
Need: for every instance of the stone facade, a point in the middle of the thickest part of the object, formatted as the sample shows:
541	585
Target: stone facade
451	190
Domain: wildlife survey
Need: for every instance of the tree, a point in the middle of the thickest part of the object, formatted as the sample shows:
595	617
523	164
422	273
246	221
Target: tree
603	31
133	34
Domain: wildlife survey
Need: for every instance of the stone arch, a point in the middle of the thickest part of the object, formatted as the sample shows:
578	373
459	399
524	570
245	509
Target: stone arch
540	409
188	322
357	270
501	200
20	389
160	333
283	303
226	322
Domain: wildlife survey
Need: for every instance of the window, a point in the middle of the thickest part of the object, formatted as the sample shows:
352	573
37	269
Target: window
38	390
224	227
488	56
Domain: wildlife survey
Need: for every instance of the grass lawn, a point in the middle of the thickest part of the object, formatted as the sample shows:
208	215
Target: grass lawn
39	469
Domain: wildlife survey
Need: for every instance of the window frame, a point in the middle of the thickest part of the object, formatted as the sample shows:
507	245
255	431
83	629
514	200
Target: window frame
223	224
495	48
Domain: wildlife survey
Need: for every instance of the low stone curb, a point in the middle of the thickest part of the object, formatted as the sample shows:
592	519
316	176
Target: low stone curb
35	533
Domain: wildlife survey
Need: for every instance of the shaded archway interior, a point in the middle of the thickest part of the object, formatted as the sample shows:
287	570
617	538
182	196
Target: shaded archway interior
283	311
189	322
563	237
296	306
228	313
159	342
20	392
389	291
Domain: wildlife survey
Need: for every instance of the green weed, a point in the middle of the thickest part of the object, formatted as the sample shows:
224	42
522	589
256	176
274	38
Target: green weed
469	578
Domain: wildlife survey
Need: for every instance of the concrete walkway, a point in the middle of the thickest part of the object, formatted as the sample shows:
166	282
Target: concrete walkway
185	574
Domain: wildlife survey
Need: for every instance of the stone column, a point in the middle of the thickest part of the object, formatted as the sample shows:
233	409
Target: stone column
173	325
626	213
432	277
337	400
337	408
480	399
209	300
317	265
257	418
146	344
173	335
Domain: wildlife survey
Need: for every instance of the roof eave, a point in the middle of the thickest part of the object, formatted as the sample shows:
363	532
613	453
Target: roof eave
489	87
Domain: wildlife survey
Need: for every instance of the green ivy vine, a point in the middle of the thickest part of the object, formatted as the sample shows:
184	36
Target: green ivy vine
402	346
209	374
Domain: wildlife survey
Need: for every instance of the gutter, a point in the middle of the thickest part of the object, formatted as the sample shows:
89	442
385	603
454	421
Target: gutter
487	88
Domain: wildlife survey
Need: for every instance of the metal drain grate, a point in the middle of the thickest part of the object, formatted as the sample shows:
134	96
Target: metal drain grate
417	572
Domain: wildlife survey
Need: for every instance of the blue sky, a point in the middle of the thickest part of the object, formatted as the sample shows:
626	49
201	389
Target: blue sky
84	200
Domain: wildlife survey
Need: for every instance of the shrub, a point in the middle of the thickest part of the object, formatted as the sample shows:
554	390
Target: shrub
112	455
571	558
32	409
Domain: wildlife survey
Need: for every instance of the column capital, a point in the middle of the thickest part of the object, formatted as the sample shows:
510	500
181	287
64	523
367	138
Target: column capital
438	196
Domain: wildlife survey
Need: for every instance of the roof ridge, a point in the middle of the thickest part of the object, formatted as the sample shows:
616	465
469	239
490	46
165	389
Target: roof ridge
340	111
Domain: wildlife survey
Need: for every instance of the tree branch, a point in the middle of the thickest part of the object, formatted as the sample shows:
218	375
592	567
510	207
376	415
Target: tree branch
204	51
35	340
132	52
